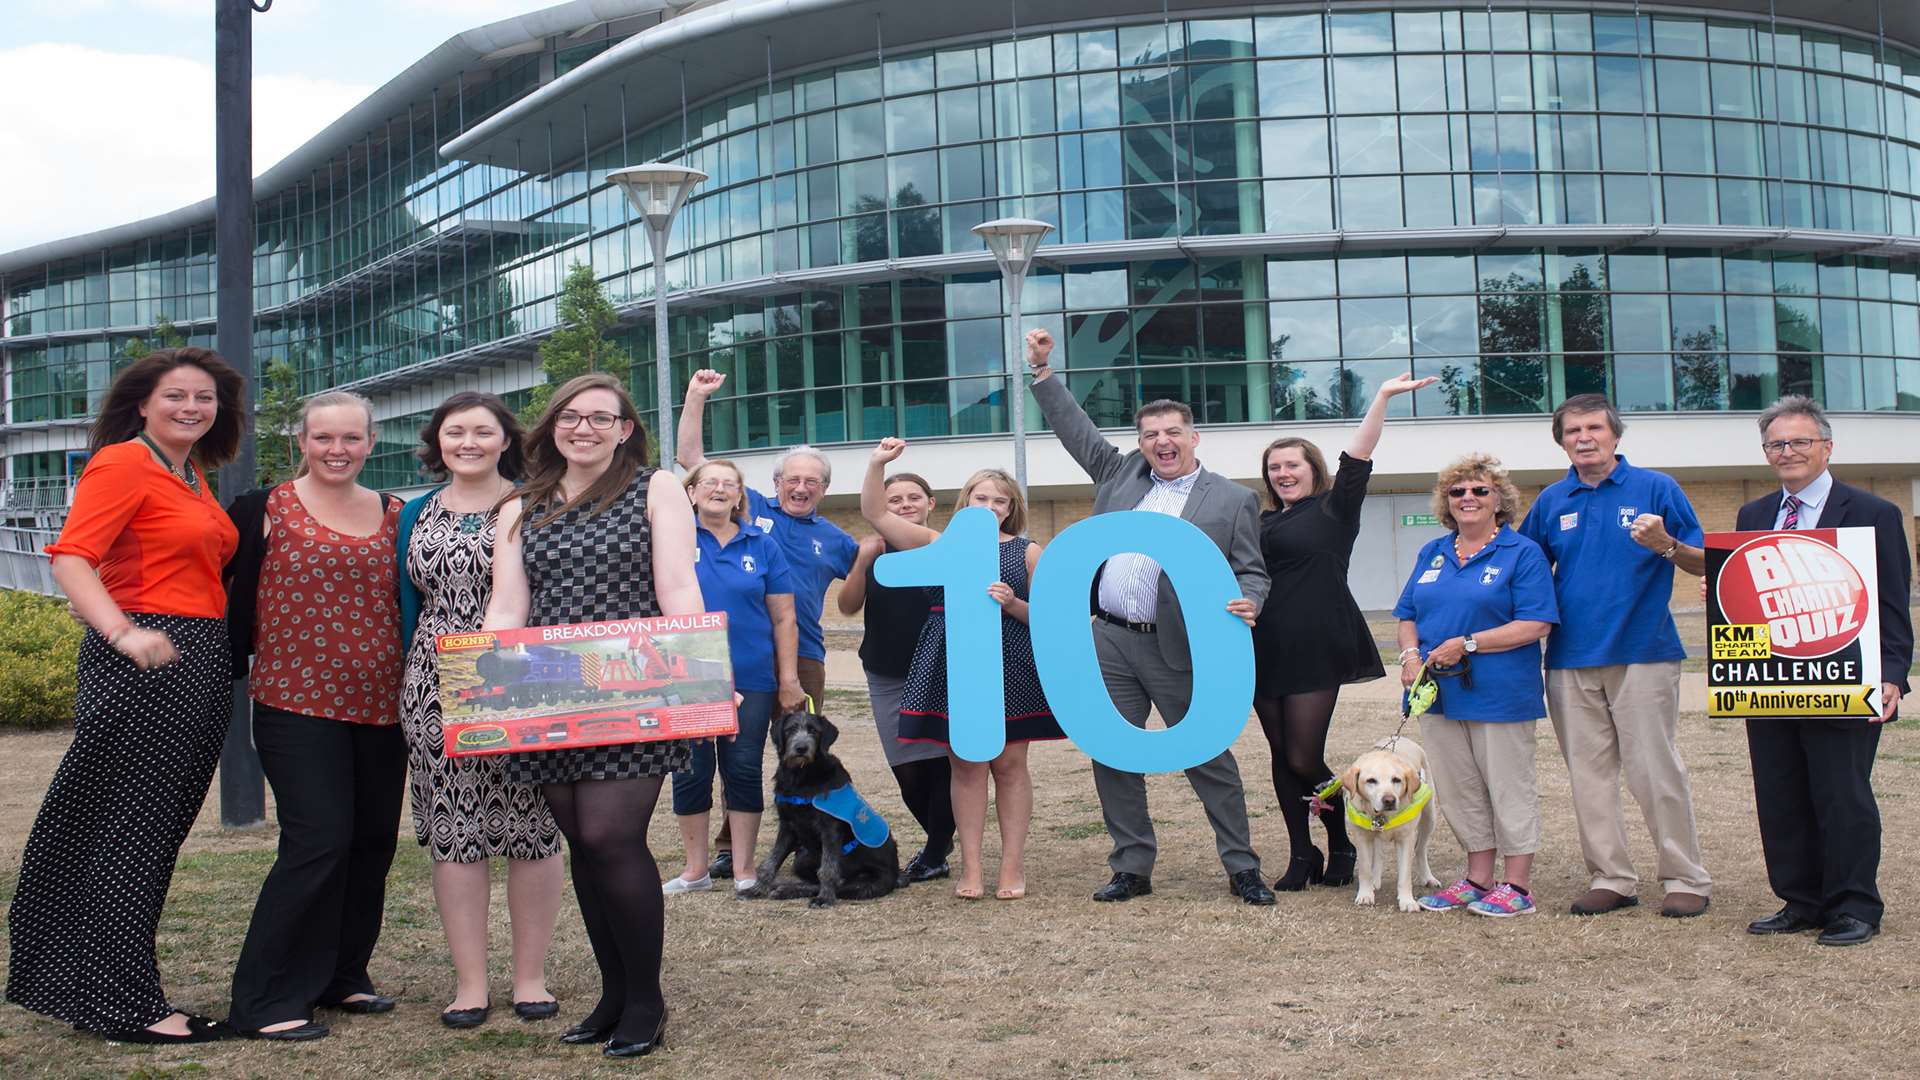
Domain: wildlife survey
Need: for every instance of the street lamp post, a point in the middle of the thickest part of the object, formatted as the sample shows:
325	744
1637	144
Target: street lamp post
658	190
1012	242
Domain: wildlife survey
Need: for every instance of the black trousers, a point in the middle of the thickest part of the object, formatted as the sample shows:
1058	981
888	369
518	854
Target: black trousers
337	789
1819	825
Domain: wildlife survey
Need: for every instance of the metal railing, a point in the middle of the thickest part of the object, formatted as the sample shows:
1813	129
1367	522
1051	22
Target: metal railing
37	493
23	563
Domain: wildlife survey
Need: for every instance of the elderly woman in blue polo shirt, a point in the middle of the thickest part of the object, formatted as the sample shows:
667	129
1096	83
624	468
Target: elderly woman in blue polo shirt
743	572
1473	611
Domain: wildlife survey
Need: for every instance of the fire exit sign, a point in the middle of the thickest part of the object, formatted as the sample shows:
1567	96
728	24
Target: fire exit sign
1408	521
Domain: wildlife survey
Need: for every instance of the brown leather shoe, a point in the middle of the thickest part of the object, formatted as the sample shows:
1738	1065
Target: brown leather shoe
1683	905
1601	901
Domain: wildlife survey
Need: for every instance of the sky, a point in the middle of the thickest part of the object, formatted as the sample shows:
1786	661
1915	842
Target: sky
109	103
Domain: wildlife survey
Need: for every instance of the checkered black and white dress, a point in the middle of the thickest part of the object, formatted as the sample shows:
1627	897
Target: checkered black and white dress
583	568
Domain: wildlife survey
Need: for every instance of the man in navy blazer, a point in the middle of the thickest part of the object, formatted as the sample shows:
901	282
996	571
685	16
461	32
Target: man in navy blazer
1812	777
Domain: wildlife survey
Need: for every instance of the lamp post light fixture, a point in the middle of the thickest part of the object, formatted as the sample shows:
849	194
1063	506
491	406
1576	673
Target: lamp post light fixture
1013	242
658	190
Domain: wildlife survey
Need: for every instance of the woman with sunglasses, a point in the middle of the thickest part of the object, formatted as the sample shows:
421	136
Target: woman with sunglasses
1472	614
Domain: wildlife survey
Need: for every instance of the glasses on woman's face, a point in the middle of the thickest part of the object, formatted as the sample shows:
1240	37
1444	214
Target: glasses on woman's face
714	484
600	421
1479	492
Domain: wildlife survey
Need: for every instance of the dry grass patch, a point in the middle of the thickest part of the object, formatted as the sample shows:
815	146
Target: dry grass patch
1186	981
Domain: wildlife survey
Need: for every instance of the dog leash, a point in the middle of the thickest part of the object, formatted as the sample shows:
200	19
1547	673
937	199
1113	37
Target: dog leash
1420	697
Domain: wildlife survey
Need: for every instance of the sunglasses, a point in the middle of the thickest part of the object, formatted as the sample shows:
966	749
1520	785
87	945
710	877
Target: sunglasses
1479	492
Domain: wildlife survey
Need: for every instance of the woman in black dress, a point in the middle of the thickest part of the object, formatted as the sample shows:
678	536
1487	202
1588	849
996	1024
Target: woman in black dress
1317	641
595	534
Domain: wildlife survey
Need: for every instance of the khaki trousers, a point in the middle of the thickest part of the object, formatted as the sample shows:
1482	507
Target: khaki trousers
1482	776
1621	718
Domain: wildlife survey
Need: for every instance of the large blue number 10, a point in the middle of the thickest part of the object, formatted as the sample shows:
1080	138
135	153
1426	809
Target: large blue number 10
965	561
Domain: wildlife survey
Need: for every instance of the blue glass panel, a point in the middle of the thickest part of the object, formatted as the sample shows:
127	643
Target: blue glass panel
1292	87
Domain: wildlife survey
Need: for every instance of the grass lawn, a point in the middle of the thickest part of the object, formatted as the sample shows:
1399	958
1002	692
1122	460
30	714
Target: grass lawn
1186	981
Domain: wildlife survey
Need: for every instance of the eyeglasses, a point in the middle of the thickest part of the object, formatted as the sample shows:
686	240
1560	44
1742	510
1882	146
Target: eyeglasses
1776	447
713	484
600	421
808	483
1479	492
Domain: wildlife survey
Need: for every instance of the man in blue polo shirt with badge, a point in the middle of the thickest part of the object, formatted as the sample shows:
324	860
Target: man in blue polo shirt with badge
817	550
1614	534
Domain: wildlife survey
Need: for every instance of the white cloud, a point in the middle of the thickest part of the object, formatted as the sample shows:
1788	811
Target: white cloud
95	138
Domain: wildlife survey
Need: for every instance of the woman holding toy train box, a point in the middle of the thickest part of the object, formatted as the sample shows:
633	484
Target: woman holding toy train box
464	811
594	535
923	708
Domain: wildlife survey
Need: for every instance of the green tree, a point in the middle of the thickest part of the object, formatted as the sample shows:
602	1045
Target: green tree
581	344
276	453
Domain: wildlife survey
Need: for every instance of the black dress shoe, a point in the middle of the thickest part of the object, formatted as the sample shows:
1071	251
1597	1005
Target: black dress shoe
362	1006
1124	886
200	1029
1302	871
581	1034
1784	921
721	866
1847	930
620	1048
465	1018
306	1032
919	869
1339	867
1250	889
536	1010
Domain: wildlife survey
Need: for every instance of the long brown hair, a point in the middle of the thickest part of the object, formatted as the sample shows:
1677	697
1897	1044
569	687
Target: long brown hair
513	459
120	418
1316	465
546	466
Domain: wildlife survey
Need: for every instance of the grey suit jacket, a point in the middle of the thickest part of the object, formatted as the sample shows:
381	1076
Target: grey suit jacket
1227	512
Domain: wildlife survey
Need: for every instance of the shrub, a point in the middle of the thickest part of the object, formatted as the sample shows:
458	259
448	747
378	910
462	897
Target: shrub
38	646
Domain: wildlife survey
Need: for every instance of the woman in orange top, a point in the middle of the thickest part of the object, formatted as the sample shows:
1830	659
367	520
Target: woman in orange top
140	560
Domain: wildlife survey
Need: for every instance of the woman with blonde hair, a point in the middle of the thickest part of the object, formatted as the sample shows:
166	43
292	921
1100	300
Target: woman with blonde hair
1472	615
923	708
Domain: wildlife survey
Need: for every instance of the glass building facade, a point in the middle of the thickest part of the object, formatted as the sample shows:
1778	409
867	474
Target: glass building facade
1262	214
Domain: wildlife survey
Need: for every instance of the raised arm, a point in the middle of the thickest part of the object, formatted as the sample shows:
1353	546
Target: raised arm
1077	432
1368	435
511	599
898	531
670	516
693	418
853	592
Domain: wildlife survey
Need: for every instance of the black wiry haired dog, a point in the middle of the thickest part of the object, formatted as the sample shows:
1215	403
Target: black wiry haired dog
843	849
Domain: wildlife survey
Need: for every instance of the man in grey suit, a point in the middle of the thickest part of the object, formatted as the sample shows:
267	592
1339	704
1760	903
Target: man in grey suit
1139	633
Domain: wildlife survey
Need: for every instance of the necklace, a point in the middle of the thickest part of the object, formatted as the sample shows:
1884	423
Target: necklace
473	521
1459	555
184	471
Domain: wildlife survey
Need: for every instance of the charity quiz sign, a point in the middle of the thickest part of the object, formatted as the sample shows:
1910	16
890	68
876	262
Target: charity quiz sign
1793	624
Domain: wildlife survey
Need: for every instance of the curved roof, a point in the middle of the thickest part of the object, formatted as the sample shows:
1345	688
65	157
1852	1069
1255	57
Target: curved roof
484	46
728	44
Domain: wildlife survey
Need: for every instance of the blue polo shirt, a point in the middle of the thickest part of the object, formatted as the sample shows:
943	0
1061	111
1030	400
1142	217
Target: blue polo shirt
818	551
1506	580
1615	593
737	578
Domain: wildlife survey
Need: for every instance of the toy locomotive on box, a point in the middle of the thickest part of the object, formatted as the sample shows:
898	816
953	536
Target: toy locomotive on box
586	684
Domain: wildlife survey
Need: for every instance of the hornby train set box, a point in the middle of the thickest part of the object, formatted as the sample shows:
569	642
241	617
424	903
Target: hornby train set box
586	684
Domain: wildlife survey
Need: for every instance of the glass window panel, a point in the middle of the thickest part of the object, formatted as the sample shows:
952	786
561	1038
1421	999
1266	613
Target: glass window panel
1303	329
1845	392
857	83
1424	83
1748	272
1837	277
1149	157
1167	335
1371	203
1294	147
1513	82
1511	271
1440	272
1288	35
1368	144
1424	143
1700	380
1753	382
1690	200
910	75
1364	85
1354	32
1102	159
1292	87
1698	323
861	131
1642	383
1444	326
1510	322
1839	326
1736	147
1513	385
1876	327
1579	143
1872	277
1795	274
1796	323
1417	30
1742	202
1683	86
1036	106
910	122
1099	101
1623	144
1373	275
1429	201
1574	74
1219	37
1300	276
1693	271
1221	91
1679	36
1733	90
1141	45
1863	159
960	115
1298	206
1730	41
1618	79
1639	322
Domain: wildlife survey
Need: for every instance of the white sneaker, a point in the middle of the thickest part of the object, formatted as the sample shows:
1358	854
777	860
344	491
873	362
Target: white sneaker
673	886
741	885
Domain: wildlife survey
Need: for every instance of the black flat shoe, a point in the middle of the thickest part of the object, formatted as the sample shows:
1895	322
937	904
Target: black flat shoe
581	1034
465	1018
200	1029
1847	930
721	866
306	1032
1123	887
1302	871
918	869
1339	867
362	1007
620	1048
1784	921
536	1010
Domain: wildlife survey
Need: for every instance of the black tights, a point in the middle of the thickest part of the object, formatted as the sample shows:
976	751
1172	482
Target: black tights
1296	727
618	885
927	789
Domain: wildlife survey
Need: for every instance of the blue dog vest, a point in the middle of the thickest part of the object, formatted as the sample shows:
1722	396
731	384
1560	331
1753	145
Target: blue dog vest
844	803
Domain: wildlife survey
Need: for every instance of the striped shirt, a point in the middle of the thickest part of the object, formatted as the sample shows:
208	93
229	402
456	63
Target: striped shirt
1130	585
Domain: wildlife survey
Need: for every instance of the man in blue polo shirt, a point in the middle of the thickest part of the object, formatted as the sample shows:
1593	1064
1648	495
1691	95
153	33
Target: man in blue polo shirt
818	551
1614	534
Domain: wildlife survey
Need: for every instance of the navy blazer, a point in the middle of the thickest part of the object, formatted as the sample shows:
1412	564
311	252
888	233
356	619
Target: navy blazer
1849	505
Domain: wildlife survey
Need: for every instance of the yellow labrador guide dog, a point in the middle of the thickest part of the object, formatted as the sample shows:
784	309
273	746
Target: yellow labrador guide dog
1390	804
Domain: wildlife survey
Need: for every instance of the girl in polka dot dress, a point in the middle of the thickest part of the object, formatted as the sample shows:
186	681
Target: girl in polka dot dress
140	560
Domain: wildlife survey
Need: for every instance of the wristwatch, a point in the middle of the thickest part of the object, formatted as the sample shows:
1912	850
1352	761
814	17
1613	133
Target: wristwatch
1472	645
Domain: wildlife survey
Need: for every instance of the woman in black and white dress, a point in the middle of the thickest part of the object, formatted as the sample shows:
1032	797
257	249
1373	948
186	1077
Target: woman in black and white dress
464	810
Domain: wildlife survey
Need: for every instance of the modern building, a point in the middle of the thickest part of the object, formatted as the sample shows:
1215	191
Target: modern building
1260	209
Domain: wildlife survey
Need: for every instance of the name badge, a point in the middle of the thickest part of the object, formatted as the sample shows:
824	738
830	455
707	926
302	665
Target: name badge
1429	577
764	524
1570	521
